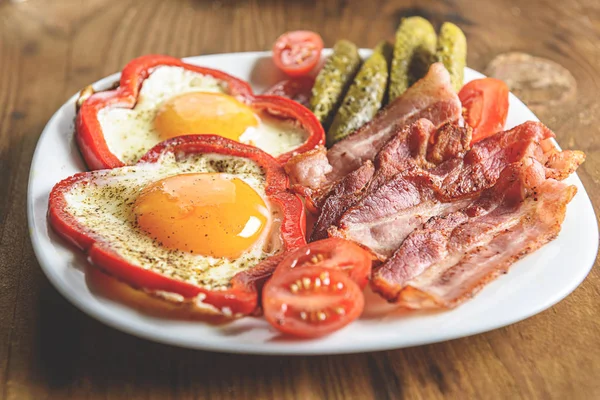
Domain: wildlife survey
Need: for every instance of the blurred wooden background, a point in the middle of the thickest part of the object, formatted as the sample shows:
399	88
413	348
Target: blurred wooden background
49	49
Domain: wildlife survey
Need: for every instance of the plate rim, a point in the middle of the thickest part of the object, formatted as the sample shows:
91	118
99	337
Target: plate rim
248	347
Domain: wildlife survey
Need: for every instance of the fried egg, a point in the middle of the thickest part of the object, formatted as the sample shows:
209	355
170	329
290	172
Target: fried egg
200	219
174	101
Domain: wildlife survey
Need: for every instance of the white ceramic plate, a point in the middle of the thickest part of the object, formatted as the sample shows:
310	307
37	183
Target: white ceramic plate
533	284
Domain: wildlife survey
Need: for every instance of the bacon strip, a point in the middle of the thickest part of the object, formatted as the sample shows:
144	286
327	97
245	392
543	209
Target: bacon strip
389	211
309	169
448	142
343	195
382	220
430	241
451	258
481	166
406	151
432	98
419	145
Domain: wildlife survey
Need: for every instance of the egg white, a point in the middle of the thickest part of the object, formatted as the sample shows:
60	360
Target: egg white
130	133
104	206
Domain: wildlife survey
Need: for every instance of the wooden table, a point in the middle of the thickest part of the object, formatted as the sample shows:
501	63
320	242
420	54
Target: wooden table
49	49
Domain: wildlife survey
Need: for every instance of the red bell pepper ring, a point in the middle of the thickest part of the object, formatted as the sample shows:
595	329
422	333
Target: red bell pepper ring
90	137
242	295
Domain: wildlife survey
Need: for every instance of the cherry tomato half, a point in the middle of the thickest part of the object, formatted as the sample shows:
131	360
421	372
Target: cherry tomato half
332	253
311	301
297	52
486	104
297	89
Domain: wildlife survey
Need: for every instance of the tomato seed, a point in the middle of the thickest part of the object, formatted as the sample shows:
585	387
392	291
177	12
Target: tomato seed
339	311
306	282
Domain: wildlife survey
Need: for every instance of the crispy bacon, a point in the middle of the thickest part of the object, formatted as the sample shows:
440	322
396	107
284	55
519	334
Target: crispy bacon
343	195
408	261
396	203
420	145
385	217
432	98
560	164
451	258
450	141
408	150
481	166
443	218
309	169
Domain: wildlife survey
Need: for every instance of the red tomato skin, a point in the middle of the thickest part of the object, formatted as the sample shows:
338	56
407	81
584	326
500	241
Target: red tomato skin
298	89
88	131
283	308
486	106
333	253
242	296
297	52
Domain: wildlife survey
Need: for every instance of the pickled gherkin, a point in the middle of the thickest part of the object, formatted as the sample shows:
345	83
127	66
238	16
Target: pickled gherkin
333	81
365	95
452	52
414	51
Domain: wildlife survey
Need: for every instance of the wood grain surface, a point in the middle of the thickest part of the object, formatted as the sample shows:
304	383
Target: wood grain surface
49	49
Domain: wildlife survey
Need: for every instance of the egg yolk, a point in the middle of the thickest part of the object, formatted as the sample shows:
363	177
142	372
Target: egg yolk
208	214
202	113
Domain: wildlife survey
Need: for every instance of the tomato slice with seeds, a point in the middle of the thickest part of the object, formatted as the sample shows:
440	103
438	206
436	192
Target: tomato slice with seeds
311	301
486	106
296	53
333	253
297	89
